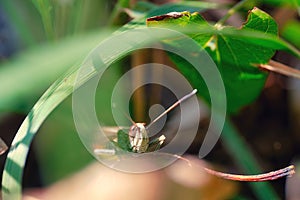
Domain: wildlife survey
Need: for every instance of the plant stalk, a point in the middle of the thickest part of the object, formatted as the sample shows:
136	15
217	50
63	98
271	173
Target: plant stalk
230	12
281	69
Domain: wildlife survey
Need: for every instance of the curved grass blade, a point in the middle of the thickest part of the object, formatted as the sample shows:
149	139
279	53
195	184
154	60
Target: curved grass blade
15	162
64	86
13	171
39	66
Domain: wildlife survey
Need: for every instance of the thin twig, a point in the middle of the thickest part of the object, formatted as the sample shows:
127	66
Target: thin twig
287	171
281	69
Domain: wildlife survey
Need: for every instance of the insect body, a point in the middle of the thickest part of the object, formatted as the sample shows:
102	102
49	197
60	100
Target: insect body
138	138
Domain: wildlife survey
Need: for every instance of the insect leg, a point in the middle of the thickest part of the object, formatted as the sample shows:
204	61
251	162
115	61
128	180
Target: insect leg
155	144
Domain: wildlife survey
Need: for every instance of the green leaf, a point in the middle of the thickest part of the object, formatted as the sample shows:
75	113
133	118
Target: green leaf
191	6
170	7
243	82
123	140
234	56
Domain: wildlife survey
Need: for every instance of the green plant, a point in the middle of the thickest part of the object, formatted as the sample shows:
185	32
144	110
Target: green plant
240	65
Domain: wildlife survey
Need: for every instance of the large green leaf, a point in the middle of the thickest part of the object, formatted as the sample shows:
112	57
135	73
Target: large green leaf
234	55
242	80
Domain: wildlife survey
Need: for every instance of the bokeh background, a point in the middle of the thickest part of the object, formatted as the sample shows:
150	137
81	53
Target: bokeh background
36	49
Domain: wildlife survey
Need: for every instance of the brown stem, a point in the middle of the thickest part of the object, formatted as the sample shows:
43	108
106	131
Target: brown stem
287	171
281	69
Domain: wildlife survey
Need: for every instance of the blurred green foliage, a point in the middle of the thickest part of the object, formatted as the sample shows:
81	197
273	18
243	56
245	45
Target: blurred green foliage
55	35
291	32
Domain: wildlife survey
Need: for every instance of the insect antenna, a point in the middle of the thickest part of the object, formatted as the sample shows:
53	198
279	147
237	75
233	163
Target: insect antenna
172	107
